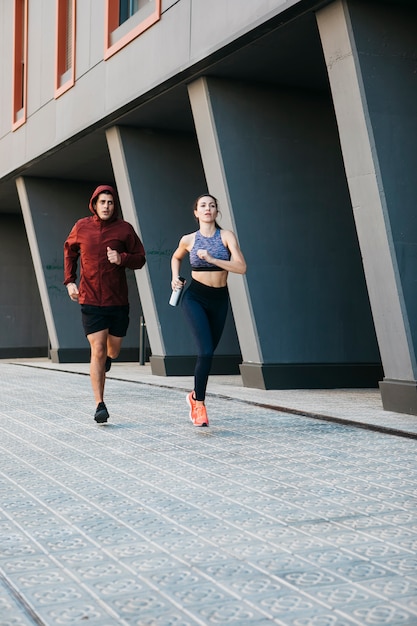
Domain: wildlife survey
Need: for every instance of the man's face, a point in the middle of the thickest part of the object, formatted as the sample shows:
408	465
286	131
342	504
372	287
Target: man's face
105	206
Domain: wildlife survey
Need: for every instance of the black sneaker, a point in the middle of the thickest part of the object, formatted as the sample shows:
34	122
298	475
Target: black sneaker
108	364
101	415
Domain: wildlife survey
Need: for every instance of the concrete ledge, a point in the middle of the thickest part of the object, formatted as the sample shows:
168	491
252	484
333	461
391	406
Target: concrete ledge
82	355
184	365
34	352
311	376
399	396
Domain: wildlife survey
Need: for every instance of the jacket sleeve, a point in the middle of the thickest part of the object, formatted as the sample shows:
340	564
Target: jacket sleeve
134	258
71	256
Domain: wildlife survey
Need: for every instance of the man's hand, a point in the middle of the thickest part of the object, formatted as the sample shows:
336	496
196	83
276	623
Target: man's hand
113	256
73	291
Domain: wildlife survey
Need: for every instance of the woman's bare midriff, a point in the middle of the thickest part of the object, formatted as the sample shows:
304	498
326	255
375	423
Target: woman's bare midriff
211	279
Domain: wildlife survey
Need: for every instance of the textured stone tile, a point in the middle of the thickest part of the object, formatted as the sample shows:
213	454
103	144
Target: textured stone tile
82	611
393	586
151	521
12	613
344	595
380	612
230	612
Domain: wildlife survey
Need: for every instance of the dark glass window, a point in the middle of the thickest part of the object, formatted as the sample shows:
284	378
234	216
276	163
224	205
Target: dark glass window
127	19
126	9
20	63
65	46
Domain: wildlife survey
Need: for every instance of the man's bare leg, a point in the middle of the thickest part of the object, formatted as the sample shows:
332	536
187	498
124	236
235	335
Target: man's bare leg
98	345
114	345
102	345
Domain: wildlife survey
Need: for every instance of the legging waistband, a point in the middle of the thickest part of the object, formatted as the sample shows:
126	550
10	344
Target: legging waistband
214	292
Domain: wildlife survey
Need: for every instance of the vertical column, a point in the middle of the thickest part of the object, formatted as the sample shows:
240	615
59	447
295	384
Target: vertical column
50	209
369	55
273	159
23	188
158	177
214	168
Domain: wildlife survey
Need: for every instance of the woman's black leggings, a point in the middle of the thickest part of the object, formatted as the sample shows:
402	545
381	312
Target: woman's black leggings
205	309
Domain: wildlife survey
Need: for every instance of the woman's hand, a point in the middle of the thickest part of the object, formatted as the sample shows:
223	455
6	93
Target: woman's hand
176	283
204	255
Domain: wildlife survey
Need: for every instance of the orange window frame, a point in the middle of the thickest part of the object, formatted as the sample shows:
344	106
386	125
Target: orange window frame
62	36
20	62
112	23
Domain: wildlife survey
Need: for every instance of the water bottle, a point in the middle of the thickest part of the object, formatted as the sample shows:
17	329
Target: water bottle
177	293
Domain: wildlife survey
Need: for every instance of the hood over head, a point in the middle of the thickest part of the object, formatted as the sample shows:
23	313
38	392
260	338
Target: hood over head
113	192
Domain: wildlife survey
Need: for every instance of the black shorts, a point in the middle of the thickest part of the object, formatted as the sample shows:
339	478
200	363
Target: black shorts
113	318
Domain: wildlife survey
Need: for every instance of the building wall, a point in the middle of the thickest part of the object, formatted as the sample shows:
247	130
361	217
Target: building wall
23	329
187	32
299	116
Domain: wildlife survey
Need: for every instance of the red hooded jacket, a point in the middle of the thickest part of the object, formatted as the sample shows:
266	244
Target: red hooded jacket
102	283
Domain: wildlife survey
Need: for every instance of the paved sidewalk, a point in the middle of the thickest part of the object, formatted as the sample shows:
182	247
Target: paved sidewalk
360	407
266	517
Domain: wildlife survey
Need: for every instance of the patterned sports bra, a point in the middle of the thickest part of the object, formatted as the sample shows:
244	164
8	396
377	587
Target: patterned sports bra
214	246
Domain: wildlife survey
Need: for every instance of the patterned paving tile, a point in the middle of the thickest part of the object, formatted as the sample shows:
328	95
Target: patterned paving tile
229	612
83	611
392	586
11	611
381	612
265	518
342	595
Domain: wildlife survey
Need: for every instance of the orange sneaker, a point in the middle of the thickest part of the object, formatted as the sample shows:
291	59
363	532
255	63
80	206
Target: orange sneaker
198	413
192	404
200	418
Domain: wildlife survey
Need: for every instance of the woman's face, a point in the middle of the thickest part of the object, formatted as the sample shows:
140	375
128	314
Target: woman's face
206	210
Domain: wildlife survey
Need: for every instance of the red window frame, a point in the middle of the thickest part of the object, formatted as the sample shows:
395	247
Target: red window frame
20	62
64	32
112	23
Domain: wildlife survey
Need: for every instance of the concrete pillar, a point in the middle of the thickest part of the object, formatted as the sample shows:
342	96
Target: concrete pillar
158	176
370	56
273	159
23	329
50	209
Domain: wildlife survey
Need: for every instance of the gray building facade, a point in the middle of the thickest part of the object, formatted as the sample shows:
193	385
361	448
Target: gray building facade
299	116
